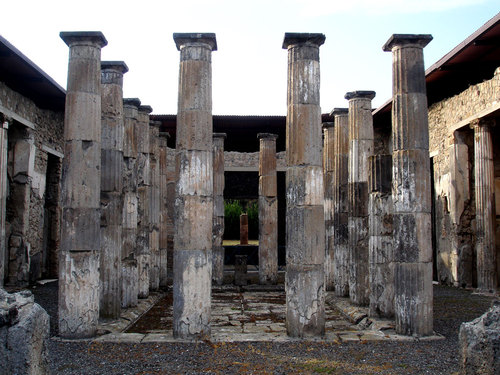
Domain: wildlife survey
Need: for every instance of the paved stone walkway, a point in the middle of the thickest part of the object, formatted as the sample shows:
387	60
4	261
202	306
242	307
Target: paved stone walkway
248	314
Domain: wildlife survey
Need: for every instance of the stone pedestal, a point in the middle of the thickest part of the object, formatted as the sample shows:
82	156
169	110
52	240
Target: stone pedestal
81	187
381	254
129	227
268	210
154	206
484	184
328	177
111	187
163	240
3	194
194	192
341	203
360	148
305	229
143	250
411	189
218	223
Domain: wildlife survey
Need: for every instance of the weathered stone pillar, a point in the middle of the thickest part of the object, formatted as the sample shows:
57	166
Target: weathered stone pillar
341	203
3	194
268	210
154	204
484	184
360	148
81	188
130	276
163	240
218	224
143	251
194	192
328	176
111	187
305	227
381	254
411	189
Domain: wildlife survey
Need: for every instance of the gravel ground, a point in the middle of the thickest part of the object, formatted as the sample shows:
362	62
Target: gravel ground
451	307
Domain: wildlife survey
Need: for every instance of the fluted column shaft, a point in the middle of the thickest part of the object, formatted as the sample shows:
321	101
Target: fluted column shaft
218	223
111	187
341	203
3	194
484	174
154	204
268	210
194	190
163	240
328	177
411	190
360	149
305	229
81	181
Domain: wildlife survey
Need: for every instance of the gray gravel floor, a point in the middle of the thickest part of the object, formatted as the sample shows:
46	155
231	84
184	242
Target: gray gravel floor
451	307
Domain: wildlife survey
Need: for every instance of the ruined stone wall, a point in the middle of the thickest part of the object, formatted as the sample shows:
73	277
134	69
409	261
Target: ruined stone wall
452	152
48	134
249	160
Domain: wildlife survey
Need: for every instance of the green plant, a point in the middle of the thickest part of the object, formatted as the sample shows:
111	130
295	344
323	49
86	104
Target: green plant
232	212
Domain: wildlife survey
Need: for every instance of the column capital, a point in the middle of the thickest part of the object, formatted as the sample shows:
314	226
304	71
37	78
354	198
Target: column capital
155	124
83	37
145	109
482	123
165	135
182	39
402	40
327	125
133	102
339	111
292	39
220	135
270	136
119	66
360	94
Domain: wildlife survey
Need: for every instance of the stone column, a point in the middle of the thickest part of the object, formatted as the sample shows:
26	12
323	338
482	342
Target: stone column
218	224
130	276
81	188
111	187
485	205
3	194
411	189
360	148
341	203
163	240
194	191
268	210
154	204
143	251
381	255
328	176
305	229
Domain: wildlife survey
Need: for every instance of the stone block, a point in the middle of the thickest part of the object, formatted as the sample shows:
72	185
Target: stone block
304	185
411	131
111	170
194	130
193	223
80	229
112	133
84	72
305	80
412	237
359	152
24	158
83	112
304	147
111	209
195	85
195	173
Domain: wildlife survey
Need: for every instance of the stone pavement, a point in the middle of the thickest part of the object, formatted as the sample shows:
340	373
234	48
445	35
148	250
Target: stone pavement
251	313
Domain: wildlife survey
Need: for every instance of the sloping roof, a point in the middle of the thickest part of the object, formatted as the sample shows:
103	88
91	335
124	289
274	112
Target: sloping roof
25	77
470	62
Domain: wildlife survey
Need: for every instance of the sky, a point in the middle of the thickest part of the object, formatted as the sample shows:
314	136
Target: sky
249	69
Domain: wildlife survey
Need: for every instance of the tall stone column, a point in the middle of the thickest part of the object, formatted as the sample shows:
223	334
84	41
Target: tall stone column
3	194
81	188
143	250
305	227
328	176
341	203
154	204
218	224
130	275
360	148
381	254
163	240
484	175
411	189
194	191
111	187
268	210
